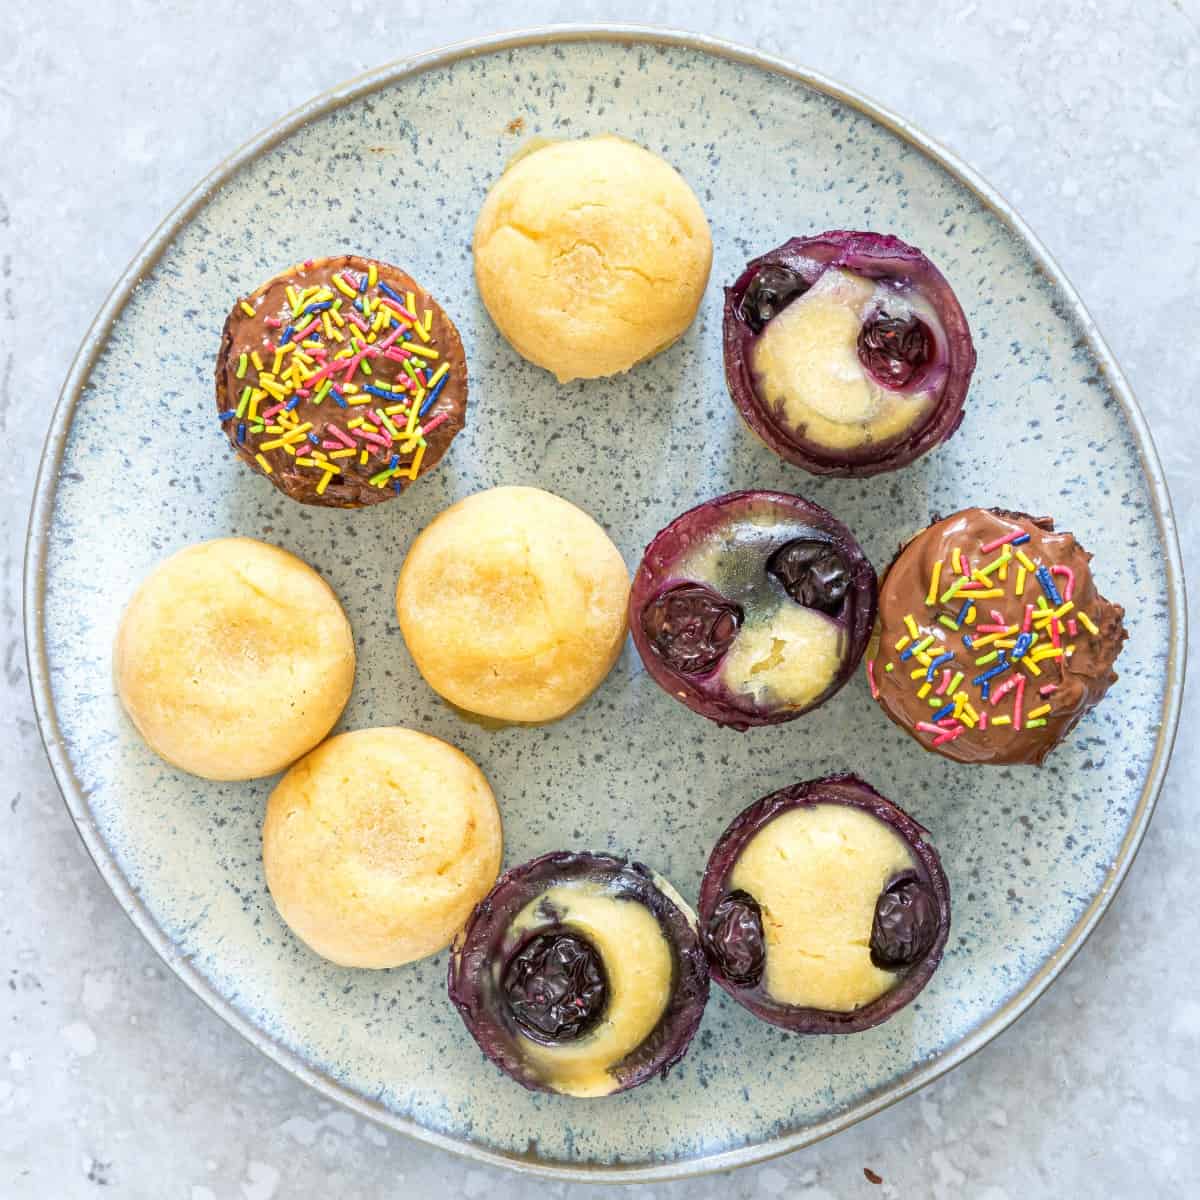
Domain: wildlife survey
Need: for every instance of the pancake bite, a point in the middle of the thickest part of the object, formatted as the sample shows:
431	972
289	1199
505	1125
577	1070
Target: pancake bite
992	640
824	908
581	974
847	353
341	380
752	608
233	658
591	256
512	604
378	844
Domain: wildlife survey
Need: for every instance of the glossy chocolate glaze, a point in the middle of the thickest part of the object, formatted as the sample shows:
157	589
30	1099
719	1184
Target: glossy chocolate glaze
1078	679
262	332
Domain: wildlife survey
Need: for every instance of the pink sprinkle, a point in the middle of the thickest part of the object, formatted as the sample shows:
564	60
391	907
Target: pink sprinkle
272	411
1069	575
949	722
299	337
1016	721
997	616
991	628
344	438
376	439
429	426
1027	624
926	727
308	263
871	679
1048	689
351	367
1072	628
1002	691
355	319
274	323
941	688
303	393
1054	632
329	444
973	586
949	736
988	547
383	346
966	567
399	310
982	721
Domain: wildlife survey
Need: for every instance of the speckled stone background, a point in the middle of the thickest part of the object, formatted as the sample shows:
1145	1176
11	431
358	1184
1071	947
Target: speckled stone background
111	1075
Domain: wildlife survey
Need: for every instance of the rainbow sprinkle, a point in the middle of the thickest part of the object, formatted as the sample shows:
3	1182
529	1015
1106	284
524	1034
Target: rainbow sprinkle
386	356
981	674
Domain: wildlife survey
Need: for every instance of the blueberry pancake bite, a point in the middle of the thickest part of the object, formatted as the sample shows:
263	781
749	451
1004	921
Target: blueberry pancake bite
992	640
752	608
847	353
824	909
341	380
580	974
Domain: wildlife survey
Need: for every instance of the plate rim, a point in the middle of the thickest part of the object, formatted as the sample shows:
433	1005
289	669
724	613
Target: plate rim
75	798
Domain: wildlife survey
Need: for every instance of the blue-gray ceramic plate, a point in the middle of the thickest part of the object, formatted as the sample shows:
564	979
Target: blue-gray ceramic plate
395	165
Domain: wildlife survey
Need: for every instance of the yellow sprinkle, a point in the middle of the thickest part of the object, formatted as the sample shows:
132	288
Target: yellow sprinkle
247	309
1026	562
922	657
396	409
324	483
438	374
919	673
1064	609
971	615
277	363
292	298
258	366
932	595
956	561
410	303
343	287
1019	586
1006	643
372	275
423	351
350	388
987	593
1069	651
306	462
1040	711
416	462
1004	720
365	398
911	626
966	718
960	702
1002	574
1088	623
262	462
988	639
362	459
346	453
1033	668
903	642
924	690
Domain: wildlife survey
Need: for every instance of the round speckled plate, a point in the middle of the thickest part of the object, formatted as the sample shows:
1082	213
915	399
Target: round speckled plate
395	165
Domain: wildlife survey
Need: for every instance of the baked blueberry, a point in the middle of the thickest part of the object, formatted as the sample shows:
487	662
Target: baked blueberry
580	974
752	608
847	353
824	908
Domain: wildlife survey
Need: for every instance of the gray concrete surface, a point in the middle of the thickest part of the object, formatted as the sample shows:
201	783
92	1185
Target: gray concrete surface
114	1080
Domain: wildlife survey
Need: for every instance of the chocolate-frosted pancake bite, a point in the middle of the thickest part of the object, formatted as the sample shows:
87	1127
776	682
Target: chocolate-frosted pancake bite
580	974
992	639
341	380
824	907
752	608
847	353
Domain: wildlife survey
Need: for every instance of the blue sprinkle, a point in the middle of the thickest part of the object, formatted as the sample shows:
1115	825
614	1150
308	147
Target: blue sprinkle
227	415
962	614
367	387
312	437
395	482
241	435
362	283
394	463
937	662
287	335
337	396
1022	646
986	691
387	291
291	404
999	669
943	712
1047	581
968	641
1021	540
441	383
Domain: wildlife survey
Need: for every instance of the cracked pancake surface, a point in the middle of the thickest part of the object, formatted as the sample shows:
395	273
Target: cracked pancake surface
591	255
512	603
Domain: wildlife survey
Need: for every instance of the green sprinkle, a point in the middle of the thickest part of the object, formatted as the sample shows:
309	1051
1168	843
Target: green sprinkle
948	622
382	478
987	658
890	667
958	678
241	368
1036	723
244	402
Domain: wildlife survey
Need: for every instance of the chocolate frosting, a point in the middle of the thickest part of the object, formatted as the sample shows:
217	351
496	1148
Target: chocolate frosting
1057	689
328	415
